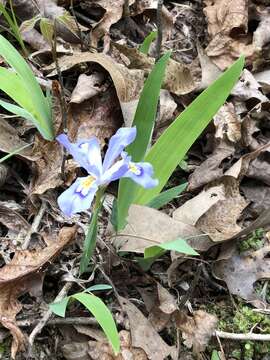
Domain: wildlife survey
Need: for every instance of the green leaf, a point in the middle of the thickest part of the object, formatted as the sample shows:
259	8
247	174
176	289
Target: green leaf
144	121
145	46
215	355
90	241
47	29
179	245
100	311
17	151
103	316
59	308
166	196
176	140
98	287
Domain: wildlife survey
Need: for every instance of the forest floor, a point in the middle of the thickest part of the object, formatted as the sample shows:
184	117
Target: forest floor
213	306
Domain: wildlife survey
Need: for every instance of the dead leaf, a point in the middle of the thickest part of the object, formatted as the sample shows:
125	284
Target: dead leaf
196	330
128	83
211	168
193	209
247	88
167	302
258	194
148	227
178	78
167	107
10	141
209	71
143	335
12	219
228	124
240	272
87	86
227	29
99	116
17	276
259	168
220	221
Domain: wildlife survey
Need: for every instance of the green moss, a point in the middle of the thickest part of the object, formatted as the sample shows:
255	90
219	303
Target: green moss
254	242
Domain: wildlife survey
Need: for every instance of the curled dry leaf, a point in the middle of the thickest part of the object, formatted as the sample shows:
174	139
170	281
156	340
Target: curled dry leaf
196	330
128	83
18	276
87	86
228	123
148	227
227	28
240	272
211	168
143	335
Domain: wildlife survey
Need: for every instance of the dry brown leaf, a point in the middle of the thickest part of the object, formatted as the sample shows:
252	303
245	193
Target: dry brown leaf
240	272
128	83
258	194
17	278
196	330
220	221
144	336
148	227
10	141
209	71
167	302
228	124
99	116
87	86
13	220
227	28
167	107
178	78
259	168
193	209
210	169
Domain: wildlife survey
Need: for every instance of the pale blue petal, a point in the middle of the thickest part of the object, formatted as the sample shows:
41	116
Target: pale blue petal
144	178
85	152
71	201
122	138
115	172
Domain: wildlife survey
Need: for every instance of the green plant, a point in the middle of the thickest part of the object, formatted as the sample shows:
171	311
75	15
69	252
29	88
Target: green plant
20	84
14	29
145	46
97	307
173	144
253	242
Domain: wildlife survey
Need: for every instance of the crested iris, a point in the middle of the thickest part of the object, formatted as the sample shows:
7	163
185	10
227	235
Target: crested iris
116	164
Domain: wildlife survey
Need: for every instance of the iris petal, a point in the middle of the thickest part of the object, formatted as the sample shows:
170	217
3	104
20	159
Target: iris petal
115	172
73	201
122	138
143	176
85	152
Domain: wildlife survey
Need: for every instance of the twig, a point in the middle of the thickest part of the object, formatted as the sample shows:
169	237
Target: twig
245	337
35	225
126	12
59	321
46	317
159	29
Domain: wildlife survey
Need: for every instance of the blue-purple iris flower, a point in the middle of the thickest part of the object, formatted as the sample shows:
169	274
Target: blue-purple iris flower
116	164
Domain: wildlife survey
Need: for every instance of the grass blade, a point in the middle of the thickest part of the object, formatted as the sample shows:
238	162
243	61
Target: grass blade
176	140
145	46
144	121
166	196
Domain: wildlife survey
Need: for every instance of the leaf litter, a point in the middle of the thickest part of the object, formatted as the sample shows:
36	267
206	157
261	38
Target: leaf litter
227	196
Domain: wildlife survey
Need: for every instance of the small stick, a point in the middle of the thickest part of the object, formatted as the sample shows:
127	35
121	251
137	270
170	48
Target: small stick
46	317
159	29
59	321
126	12
35	225
245	337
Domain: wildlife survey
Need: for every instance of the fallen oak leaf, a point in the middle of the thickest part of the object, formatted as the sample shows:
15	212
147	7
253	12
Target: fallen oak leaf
16	278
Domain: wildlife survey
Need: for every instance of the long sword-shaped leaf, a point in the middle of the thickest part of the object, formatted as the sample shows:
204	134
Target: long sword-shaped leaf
144	121
173	144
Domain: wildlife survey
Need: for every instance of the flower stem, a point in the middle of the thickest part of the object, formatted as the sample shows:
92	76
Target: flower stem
91	236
